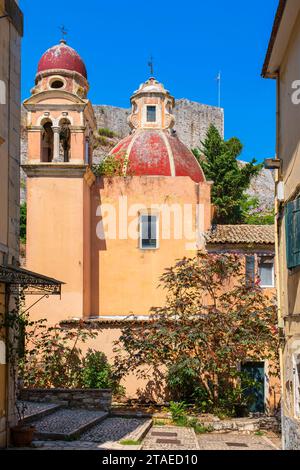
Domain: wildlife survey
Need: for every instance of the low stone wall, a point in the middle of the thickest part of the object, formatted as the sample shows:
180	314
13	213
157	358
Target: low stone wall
291	433
90	399
234	425
243	425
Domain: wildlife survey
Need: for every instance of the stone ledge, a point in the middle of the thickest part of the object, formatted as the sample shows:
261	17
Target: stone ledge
94	399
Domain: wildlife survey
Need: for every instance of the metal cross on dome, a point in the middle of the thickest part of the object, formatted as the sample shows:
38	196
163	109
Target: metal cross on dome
150	64
64	32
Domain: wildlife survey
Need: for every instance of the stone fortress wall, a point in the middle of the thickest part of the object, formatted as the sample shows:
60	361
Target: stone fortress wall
192	121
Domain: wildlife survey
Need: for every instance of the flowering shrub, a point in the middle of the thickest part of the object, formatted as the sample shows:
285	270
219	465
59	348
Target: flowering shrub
113	165
212	321
53	358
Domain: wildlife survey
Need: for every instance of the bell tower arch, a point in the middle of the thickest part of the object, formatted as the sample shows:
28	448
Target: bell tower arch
60	127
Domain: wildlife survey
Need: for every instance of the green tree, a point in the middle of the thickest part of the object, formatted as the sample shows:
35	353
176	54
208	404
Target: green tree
23	218
255	214
203	332
218	159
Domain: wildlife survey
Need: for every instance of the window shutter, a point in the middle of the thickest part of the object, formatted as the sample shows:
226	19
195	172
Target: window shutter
250	270
292	227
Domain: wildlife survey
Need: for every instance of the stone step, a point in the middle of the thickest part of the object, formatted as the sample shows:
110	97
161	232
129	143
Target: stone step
66	424
36	410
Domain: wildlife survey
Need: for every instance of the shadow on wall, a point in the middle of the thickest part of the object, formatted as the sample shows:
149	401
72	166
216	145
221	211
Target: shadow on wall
155	390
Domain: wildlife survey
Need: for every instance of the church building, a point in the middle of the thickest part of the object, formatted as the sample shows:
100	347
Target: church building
108	238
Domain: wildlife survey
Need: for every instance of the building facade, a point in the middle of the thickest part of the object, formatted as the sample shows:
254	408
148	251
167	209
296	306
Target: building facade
11	30
256	245
282	64
13	279
110	238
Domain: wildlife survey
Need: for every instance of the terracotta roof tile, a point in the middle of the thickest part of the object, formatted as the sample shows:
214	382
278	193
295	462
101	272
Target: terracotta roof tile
259	234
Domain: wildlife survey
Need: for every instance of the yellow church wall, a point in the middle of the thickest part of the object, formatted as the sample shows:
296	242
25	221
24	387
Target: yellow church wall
56	249
34	145
152	387
112	276
124	277
77	146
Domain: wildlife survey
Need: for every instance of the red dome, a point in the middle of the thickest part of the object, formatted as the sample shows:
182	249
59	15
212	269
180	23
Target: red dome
63	57
157	153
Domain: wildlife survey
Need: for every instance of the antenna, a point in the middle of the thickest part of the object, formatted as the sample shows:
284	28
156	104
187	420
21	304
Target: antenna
150	64
219	89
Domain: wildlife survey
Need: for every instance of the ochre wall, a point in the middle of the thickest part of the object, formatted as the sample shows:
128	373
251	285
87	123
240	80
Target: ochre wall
55	242
124	277
9	184
103	277
288	143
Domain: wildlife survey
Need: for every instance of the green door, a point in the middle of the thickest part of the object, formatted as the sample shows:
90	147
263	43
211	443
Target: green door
255	371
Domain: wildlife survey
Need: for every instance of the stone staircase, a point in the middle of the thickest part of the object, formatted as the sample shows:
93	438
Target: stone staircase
55	423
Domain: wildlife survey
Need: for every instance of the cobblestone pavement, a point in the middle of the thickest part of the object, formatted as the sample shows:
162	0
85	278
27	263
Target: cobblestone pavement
105	435
79	445
236	442
31	408
170	438
66	420
114	429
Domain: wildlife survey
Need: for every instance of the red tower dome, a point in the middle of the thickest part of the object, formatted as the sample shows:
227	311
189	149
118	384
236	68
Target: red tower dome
62	57
153	148
158	153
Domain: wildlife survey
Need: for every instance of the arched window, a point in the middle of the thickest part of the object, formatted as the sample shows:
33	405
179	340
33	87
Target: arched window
65	139
47	141
87	151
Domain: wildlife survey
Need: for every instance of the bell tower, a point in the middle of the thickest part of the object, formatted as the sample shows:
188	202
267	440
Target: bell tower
60	117
60	127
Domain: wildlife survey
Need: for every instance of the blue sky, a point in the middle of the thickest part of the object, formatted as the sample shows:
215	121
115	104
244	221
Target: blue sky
190	42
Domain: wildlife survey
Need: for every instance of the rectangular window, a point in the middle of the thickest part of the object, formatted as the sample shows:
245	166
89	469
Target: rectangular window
148	232
292	230
250	270
151	113
266	272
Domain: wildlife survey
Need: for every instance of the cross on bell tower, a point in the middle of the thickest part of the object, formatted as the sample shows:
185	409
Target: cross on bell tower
64	33
150	64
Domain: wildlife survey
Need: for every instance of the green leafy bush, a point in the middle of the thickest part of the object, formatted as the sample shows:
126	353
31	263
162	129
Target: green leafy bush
113	165
110	166
102	141
177	409
104	131
203	332
97	372
52	357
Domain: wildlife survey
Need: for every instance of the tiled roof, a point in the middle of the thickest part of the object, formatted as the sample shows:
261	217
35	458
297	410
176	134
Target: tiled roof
259	234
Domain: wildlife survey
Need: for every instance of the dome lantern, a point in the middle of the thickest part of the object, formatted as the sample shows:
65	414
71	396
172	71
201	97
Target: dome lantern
152	107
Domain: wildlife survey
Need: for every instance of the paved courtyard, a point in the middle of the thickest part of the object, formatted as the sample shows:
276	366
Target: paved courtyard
237	442
59	428
170	438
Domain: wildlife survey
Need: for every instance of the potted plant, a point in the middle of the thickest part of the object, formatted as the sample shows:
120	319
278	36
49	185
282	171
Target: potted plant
22	434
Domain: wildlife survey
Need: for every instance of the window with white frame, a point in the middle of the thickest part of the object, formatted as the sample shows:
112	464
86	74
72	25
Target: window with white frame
266	271
148	232
296	370
151	113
